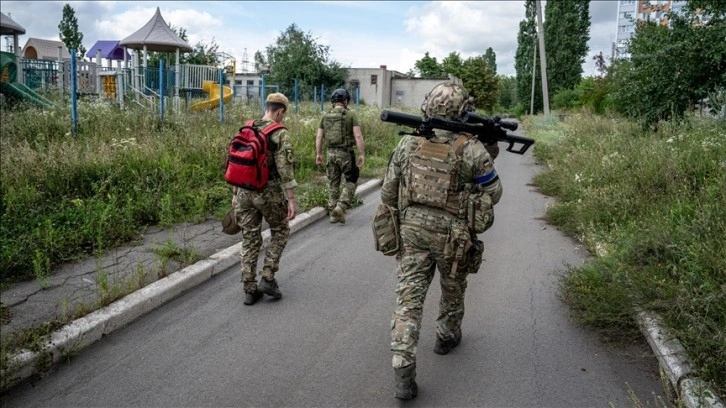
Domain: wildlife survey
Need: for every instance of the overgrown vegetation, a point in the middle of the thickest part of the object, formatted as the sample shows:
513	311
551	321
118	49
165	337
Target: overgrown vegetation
66	197
652	205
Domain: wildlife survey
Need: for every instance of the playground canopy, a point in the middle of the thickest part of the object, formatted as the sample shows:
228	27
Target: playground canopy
37	48
110	50
9	27
156	36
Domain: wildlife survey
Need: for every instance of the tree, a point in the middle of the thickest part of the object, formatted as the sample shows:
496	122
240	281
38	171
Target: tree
491	59
523	59
428	67
297	55
670	69
567	31
452	64
203	54
68	31
479	79
507	91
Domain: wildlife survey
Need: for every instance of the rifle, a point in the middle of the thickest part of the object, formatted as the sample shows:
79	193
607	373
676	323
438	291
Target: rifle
488	130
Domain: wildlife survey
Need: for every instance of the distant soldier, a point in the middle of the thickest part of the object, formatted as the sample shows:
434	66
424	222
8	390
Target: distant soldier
444	189
275	202
339	129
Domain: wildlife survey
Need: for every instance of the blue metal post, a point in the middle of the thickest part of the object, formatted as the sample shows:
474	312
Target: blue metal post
296	96
161	89
221	96
263	95
315	99
357	99
74	86
322	98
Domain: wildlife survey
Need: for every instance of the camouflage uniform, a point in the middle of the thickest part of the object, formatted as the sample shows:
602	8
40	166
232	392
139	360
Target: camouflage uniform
341	163
270	203
427	236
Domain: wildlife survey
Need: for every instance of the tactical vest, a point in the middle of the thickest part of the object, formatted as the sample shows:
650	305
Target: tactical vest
336	133
432	176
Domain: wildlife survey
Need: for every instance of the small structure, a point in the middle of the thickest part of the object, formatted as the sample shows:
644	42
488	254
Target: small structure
156	35
10	27
111	50
48	50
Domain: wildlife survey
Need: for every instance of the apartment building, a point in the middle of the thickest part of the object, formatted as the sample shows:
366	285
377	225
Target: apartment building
632	11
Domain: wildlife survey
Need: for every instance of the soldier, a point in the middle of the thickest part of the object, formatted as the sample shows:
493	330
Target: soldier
433	184
339	129
275	202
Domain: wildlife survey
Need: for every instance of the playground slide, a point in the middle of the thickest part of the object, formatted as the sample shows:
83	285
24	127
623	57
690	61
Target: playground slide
213	102
21	91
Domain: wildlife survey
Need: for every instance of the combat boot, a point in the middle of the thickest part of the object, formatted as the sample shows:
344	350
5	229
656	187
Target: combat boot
406	387
339	214
269	287
443	347
252	297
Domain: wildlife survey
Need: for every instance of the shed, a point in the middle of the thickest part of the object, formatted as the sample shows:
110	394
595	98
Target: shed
110	50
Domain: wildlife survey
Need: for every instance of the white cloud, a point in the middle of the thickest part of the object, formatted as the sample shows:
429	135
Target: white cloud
468	28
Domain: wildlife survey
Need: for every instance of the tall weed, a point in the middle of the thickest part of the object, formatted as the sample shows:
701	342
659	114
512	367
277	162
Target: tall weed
652	205
67	196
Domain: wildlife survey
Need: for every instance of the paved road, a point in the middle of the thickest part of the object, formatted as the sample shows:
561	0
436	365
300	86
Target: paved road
326	343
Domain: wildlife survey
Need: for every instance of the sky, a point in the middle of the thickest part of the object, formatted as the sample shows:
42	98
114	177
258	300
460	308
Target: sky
360	34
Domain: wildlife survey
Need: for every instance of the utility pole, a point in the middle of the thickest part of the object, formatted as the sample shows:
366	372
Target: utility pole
543	59
534	65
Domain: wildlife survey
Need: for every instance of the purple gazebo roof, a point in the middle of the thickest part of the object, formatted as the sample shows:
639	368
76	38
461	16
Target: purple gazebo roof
109	49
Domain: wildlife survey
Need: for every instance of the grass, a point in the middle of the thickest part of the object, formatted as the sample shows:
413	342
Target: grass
652	206
66	197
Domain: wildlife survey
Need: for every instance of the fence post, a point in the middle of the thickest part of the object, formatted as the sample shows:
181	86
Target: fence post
315	98
262	97
296	96
322	98
161	89
74	101
357	99
221	96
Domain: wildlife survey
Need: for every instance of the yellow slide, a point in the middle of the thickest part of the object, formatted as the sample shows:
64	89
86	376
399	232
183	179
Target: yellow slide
213	102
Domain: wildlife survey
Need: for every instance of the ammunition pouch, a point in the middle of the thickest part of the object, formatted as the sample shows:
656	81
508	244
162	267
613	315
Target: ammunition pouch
386	234
457	247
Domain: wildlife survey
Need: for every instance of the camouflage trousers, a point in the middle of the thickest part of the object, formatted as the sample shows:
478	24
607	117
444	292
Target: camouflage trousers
251	207
341	164
423	253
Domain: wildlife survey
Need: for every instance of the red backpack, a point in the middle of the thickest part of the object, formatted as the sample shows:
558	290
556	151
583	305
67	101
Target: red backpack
247	165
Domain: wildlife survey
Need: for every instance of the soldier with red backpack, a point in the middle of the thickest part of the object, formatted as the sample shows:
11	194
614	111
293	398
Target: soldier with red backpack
260	166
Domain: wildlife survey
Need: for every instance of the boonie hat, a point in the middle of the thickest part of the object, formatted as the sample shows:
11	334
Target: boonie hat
229	223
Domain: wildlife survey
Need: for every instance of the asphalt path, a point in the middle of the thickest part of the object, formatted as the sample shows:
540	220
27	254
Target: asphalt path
326	342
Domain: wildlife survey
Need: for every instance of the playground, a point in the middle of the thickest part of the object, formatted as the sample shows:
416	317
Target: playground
120	72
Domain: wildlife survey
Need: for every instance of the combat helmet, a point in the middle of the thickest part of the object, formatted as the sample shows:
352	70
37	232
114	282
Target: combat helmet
447	100
340	95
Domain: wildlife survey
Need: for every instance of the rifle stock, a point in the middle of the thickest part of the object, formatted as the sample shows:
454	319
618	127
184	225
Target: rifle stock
487	129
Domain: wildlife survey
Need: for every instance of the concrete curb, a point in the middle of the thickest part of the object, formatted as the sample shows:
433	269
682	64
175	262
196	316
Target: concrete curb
672	357
85	331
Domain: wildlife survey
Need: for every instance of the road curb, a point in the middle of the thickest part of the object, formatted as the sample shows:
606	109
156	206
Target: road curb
90	328
673	360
